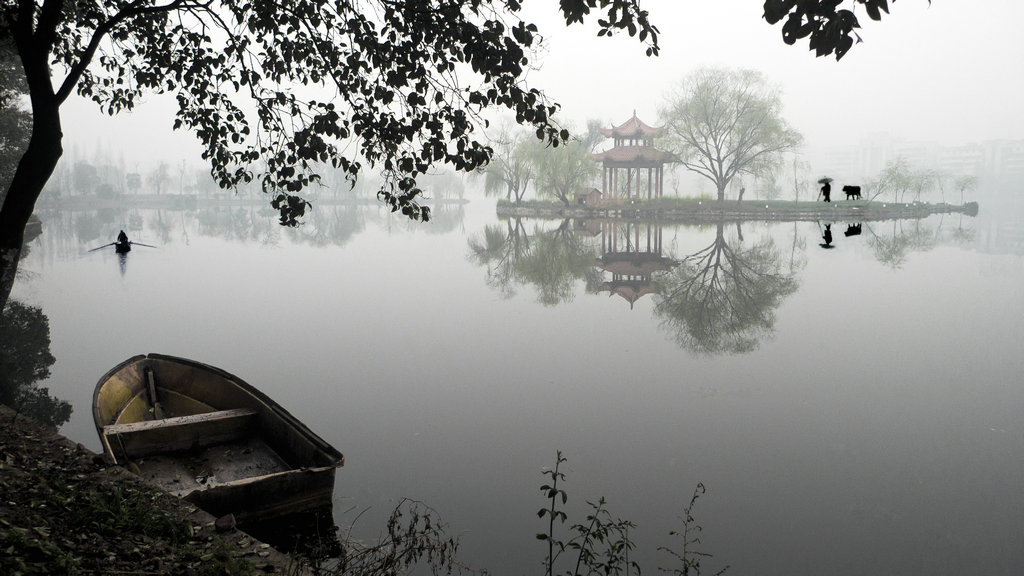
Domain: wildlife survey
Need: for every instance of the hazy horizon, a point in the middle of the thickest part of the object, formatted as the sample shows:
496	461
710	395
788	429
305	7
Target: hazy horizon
943	73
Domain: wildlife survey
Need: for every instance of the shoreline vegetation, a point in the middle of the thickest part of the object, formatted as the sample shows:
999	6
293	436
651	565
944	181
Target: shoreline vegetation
695	210
64	510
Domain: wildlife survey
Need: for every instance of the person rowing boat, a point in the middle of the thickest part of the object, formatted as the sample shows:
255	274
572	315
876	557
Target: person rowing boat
122	245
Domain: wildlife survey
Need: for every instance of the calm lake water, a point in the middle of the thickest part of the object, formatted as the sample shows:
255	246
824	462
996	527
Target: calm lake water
854	410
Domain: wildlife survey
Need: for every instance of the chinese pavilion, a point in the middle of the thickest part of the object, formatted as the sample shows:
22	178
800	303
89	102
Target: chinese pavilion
633	156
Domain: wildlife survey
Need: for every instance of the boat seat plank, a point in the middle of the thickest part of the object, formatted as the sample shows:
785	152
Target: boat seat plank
137	439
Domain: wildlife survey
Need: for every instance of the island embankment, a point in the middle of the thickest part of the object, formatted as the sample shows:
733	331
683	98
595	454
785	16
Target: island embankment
64	511
680	210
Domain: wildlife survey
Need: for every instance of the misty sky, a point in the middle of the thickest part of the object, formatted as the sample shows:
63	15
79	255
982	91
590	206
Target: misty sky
950	73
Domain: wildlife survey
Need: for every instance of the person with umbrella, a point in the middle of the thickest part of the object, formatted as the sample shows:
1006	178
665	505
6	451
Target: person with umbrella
826	189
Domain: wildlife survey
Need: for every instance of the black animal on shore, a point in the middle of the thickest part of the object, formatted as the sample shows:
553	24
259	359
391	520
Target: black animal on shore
851	191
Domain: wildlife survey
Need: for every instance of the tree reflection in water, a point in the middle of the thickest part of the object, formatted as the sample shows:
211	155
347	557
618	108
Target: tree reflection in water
722	299
550	260
25	359
500	249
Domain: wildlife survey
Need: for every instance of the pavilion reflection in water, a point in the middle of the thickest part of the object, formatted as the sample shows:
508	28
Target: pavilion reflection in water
631	253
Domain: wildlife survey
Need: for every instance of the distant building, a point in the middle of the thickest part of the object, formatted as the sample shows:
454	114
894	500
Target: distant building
997	162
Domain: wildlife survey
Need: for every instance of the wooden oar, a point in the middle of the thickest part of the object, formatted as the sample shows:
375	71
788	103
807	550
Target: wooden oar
104	246
141	244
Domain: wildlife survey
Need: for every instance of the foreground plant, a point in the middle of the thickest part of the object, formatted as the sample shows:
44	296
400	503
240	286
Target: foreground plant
688	556
601	544
414	536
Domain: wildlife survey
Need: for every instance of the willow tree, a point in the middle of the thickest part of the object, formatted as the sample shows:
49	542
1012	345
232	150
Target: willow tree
511	168
276	91
561	172
723	123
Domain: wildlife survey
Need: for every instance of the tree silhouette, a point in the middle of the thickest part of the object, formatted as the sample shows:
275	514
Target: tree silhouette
723	300
828	28
25	359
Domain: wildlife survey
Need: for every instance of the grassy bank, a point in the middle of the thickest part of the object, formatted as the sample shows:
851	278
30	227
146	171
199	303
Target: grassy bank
705	210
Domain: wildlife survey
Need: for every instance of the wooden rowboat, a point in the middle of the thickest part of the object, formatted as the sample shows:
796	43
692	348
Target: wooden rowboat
205	435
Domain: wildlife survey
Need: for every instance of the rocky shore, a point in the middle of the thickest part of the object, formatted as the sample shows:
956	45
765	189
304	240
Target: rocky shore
64	511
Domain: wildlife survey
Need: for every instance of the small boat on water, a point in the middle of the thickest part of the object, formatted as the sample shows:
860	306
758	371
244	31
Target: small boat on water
207	436
122	246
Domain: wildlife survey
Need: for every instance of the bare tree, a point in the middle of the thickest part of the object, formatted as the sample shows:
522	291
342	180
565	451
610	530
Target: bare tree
965	184
723	123
896	178
158	177
800	179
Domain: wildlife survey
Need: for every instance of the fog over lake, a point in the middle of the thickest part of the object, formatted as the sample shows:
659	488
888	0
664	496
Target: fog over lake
873	427
860	413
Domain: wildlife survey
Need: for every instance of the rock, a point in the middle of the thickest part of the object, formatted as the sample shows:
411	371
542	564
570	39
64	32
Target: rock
225	523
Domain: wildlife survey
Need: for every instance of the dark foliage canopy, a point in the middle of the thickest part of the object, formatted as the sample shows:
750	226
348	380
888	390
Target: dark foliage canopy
275	91
830	28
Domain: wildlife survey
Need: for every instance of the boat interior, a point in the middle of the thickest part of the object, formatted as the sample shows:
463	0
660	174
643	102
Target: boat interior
182	444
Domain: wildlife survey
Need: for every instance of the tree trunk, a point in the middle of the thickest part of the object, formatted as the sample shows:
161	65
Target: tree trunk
721	191
34	169
34	33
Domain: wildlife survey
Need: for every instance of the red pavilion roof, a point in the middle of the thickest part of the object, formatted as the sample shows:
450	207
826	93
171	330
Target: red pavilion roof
634	128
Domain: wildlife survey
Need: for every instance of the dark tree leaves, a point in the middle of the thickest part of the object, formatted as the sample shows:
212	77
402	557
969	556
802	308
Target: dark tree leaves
829	28
279	92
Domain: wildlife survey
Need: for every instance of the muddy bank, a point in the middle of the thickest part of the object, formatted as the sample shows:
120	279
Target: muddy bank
63	511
